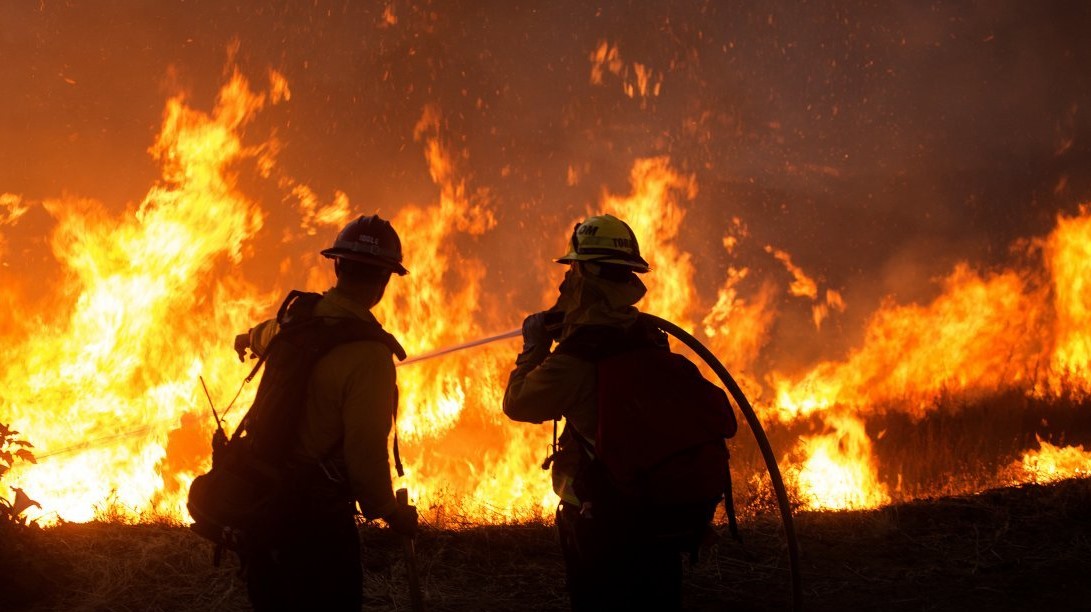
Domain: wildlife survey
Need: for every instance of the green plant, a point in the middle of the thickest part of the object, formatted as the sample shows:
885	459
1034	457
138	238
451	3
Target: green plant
13	449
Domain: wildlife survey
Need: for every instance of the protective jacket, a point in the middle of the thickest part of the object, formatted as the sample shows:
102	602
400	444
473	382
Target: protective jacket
351	398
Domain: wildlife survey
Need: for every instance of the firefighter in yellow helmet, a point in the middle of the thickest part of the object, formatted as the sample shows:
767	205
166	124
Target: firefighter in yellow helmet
351	397
612	560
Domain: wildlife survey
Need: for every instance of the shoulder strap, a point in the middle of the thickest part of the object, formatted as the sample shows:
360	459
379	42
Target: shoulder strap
297	311
597	342
335	331
296	306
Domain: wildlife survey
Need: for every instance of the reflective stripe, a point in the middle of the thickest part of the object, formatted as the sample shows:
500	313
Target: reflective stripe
606	254
607	251
606	241
369	249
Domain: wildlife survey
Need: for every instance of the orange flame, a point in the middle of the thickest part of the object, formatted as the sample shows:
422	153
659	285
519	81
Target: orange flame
1068	258
977	335
838	472
1052	463
637	80
105	380
984	332
112	368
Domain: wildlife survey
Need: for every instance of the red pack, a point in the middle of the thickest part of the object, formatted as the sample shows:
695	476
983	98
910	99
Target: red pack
662	427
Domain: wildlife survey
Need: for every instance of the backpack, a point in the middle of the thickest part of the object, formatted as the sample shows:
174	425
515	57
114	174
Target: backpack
255	487
662	427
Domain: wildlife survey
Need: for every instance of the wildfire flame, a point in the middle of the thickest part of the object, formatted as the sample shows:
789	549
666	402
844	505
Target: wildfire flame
143	305
638	81
838	472
102	381
1051	463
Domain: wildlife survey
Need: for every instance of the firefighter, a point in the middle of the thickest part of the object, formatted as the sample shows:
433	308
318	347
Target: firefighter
612	559
350	402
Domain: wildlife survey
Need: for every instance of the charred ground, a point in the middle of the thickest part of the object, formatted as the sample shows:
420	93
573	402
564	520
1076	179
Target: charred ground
1021	548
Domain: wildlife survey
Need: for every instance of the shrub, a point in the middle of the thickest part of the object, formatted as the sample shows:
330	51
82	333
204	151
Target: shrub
14	449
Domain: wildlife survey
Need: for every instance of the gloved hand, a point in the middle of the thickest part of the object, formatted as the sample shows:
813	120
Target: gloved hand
534	332
403	520
542	328
242	342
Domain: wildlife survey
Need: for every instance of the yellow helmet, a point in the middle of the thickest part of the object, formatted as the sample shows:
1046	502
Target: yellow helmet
605	239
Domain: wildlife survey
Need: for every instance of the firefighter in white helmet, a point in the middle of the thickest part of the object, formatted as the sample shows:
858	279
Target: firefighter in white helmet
611	562
351	398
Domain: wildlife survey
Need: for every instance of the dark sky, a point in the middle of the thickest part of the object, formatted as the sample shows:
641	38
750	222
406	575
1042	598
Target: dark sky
877	142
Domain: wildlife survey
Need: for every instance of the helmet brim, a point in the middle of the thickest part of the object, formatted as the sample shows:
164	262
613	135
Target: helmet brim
365	258
640	267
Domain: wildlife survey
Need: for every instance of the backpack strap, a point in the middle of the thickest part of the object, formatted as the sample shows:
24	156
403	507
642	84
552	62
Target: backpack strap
355	330
597	342
397	453
298	309
729	505
552	448
297	304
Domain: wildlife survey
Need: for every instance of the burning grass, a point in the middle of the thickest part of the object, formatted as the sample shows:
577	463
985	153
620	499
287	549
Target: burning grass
961	447
1018	548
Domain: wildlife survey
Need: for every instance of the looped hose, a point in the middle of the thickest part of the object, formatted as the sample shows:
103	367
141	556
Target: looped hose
759	435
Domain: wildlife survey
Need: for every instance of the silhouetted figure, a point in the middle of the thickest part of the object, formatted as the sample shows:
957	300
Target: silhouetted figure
350	400
622	528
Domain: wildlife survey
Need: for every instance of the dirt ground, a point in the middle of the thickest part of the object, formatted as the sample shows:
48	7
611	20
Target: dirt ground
1024	548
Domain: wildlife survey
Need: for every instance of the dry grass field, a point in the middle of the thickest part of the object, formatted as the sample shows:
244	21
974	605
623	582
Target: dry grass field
1020	548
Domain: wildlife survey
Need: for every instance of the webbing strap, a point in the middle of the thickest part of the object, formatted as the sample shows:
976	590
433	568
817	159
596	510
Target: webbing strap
729	507
397	454
552	448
